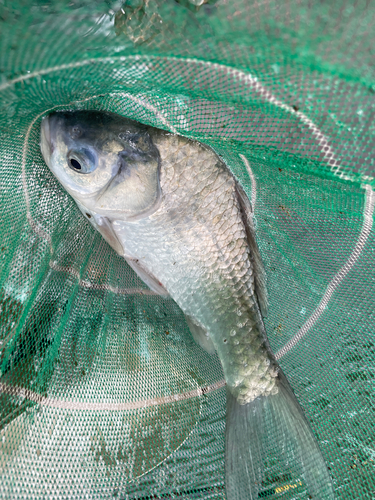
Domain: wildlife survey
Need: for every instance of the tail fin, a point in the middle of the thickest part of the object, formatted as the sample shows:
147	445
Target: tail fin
270	448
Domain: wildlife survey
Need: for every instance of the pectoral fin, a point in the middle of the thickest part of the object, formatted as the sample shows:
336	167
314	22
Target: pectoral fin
146	276
103	225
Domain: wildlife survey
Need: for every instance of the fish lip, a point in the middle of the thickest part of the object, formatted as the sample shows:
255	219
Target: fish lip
46	129
46	142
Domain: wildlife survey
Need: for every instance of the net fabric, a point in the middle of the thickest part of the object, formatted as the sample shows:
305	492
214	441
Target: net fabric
104	392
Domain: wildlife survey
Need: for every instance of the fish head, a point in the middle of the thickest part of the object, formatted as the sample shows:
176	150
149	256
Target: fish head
107	163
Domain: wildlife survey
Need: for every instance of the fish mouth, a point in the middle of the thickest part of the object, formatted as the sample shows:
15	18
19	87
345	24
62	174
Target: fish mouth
46	129
45	142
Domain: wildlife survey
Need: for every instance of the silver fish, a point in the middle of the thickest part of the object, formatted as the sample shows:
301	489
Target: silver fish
174	211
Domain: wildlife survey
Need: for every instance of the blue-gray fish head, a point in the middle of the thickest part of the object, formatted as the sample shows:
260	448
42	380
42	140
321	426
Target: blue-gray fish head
108	163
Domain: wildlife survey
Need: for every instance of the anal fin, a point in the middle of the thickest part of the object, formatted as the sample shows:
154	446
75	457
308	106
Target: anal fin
200	335
104	227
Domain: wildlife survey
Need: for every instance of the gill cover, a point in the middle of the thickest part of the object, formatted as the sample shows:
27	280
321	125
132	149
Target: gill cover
108	163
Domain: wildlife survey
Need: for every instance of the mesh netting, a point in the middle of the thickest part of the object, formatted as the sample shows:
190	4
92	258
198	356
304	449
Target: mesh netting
104	393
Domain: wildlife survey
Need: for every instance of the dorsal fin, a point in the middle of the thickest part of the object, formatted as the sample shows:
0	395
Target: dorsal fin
259	272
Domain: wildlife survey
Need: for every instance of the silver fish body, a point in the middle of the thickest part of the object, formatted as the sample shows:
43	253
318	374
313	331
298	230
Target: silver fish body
195	244
172	208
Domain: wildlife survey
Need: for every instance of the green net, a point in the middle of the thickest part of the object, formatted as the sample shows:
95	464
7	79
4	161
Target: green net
104	393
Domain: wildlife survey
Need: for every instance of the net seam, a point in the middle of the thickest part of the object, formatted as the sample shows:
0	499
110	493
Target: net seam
254	82
97	286
339	276
132	405
253	182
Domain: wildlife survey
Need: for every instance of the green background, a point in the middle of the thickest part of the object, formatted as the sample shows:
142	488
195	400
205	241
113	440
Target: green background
285	93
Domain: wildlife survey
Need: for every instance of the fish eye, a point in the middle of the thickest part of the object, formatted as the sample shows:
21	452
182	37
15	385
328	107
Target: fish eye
82	161
75	164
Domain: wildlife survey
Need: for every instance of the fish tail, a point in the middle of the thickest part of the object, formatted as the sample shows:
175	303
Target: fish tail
270	448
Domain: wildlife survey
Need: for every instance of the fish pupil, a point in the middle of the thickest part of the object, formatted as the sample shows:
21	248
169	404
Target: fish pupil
75	164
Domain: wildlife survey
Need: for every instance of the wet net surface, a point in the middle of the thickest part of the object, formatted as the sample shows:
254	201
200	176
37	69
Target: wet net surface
104	393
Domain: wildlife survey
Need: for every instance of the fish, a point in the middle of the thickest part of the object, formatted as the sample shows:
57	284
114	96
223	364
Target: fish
173	210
